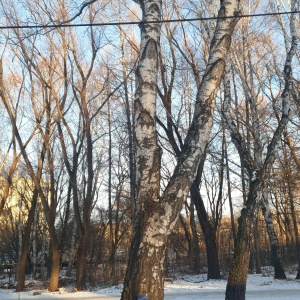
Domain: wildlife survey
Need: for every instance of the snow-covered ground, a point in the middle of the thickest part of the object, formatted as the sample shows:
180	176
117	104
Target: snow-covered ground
183	288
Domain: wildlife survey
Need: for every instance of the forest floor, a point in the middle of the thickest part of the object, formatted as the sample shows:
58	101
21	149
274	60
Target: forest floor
184	287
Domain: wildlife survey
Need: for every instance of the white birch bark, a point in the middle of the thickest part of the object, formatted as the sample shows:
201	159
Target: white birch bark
211	10
141	277
156	216
145	140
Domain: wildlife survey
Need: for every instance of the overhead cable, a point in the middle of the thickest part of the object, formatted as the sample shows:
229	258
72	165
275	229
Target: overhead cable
61	25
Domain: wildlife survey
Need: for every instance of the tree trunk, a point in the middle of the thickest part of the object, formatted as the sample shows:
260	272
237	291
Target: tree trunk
275	249
209	234
189	228
71	251
129	128
195	240
230	197
156	215
26	244
236	286
148	252
55	268
258	174
257	247
81	265
298	273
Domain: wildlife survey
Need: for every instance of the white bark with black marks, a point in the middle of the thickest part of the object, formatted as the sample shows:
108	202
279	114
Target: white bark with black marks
156	216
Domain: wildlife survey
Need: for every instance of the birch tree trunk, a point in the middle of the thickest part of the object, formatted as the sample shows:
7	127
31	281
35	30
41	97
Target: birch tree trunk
156	215
144	274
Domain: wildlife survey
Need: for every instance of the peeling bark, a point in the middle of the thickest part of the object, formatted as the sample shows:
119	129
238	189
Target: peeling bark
156	216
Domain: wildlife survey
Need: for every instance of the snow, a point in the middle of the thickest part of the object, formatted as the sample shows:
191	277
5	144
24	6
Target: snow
183	288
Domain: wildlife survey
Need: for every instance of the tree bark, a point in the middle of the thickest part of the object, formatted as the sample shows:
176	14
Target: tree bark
275	249
26	244
81	263
156	216
207	229
195	240
236	286
230	197
257	247
55	267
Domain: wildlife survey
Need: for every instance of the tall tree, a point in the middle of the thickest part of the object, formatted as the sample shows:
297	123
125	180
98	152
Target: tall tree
258	172
156	215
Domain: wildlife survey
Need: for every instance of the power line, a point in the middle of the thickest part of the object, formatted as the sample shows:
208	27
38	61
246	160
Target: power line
148	22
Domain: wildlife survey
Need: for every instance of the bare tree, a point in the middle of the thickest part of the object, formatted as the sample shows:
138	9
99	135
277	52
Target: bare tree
258	172
156	215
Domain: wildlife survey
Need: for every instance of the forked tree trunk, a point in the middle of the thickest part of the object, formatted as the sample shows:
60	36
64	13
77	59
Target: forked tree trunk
156	216
145	273
208	232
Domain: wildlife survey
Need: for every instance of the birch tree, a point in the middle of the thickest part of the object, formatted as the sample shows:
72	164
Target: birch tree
195	60
156	214
258	172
